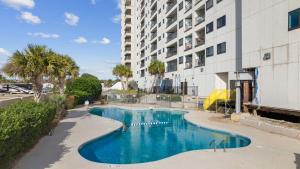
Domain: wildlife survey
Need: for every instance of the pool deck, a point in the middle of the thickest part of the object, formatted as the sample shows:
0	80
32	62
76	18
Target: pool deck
60	151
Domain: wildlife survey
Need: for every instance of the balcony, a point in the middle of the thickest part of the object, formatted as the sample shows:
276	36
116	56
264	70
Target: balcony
188	5
153	46
200	59
143	43
188	42
128	40
153	35
188	23
197	1
200	39
153	9
171	50
170	5
172	34
154	57
127	49
128	57
128	3
142	64
128	65
200	15
188	62
128	12
142	4
171	20
172	66
142	53
153	22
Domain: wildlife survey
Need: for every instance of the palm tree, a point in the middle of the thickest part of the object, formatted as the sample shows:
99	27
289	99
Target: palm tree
123	72
61	67
29	65
156	68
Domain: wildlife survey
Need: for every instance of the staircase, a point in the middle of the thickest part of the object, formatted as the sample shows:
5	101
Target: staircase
218	95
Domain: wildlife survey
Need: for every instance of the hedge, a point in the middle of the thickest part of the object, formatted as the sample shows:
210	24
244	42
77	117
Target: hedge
86	87
21	125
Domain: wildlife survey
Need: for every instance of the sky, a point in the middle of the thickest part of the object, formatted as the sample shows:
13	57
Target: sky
86	30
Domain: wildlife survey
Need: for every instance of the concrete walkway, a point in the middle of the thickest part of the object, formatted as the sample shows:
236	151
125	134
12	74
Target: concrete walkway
60	151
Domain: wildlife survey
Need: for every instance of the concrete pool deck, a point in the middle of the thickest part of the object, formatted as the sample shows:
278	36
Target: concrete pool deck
60	151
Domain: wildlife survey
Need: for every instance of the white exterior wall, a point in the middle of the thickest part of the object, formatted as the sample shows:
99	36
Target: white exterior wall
265	30
204	77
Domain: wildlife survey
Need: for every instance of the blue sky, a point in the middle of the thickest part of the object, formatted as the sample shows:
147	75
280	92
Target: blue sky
87	30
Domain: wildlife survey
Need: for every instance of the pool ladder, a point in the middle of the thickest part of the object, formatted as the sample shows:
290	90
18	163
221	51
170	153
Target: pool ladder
213	143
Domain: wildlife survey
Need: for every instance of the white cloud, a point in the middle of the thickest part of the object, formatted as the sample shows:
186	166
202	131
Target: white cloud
116	18
93	2
28	17
4	52
71	19
103	41
18	4
80	40
119	4
44	35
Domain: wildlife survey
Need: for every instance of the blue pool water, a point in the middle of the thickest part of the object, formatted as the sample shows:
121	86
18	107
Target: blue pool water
151	135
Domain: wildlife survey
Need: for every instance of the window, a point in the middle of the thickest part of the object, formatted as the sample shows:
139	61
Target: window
221	48
209	4
180	60
294	19
209	27
180	7
219	1
180	24
221	21
180	43
209	51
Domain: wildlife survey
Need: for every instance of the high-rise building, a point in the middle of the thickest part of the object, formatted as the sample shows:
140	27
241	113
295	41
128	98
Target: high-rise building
252	45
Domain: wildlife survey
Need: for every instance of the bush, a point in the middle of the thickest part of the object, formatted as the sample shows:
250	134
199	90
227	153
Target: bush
132	85
86	87
21	125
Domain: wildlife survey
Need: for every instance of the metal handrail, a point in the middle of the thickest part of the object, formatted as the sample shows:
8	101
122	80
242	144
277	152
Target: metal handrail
215	146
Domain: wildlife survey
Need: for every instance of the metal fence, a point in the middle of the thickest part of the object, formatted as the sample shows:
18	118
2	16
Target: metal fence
158	99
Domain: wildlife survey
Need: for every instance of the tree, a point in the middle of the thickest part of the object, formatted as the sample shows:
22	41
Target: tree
123	72
156	68
30	65
61	67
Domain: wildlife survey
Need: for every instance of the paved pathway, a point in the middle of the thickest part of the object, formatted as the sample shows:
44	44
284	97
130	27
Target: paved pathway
60	151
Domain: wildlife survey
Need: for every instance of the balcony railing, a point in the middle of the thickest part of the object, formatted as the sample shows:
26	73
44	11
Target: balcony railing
200	42
142	55
142	64
170	5
127	49
199	19
197	1
153	48
188	65
188	25
200	62
153	23
171	21
153	35
142	44
171	52
188	5
127	57
188	46
171	36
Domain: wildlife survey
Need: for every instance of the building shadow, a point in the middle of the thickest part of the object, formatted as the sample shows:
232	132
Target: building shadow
297	160
49	150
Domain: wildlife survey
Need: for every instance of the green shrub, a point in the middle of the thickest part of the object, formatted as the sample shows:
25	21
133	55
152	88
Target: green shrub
86	87
21	125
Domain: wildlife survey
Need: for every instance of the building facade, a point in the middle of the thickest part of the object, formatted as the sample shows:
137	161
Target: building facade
271	49
252	45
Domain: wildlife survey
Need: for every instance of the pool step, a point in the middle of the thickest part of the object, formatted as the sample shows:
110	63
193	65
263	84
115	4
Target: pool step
150	124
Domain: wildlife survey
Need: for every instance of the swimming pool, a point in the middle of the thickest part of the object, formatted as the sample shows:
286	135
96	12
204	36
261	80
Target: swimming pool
150	135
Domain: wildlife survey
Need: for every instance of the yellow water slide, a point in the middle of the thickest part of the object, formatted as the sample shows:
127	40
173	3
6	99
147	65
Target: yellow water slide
218	95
